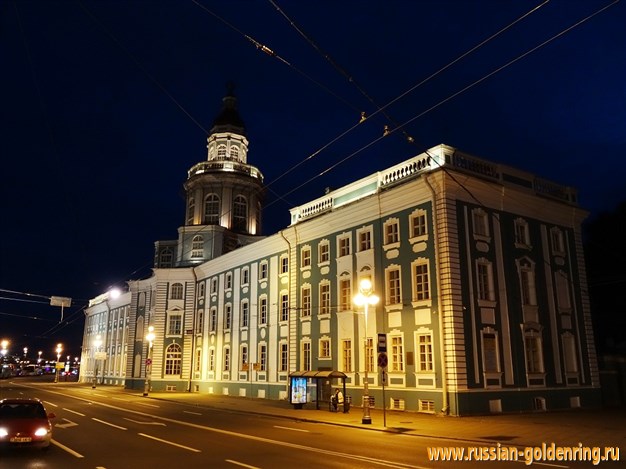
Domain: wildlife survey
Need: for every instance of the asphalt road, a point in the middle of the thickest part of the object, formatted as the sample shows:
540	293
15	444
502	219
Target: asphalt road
100	428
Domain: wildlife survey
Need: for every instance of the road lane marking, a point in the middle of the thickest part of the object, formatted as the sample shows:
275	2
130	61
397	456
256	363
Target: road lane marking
237	463
148	405
66	425
338	454
292	429
145	423
50	403
170	443
120	399
108	423
189	412
73	411
65	448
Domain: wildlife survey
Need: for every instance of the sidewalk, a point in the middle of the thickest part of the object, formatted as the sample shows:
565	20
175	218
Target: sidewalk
604	427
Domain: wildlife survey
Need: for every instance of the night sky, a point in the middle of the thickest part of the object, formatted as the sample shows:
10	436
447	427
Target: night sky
107	104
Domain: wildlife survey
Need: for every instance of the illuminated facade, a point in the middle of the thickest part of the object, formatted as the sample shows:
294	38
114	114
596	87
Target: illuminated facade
479	268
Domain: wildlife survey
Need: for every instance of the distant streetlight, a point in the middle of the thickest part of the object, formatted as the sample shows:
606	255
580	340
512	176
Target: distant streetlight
39	358
96	344
364	298
59	350
150	338
4	350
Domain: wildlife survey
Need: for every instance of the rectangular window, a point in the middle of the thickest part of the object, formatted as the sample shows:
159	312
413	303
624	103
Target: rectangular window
324	348
200	322
346	355
558	245
284	264
306	301
213	285
212	359
392	233
521	233
198	361
263	357
245	276
305	257
344	246
479	219
418	225
284	357
263	271
425	356
484	281
175	324
490	353
397	354
306	355
528	287
569	354
263	310
534	361
323	253
228	313
245	313
394	291
228	284
365	240
345	294
324	298
226	359
422	287
244	356
284	307
213	320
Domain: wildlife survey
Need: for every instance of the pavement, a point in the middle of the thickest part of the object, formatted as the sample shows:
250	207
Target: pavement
597	427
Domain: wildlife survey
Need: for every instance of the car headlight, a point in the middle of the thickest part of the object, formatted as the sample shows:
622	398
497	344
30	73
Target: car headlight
42	431
3	432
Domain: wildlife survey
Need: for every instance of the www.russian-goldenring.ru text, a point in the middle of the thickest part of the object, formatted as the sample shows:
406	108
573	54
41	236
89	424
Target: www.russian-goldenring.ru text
530	454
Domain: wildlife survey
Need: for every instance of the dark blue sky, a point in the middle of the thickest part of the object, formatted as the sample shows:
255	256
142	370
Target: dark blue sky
106	105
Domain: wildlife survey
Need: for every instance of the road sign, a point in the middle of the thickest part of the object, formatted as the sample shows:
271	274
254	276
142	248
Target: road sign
149	361
382	360
382	343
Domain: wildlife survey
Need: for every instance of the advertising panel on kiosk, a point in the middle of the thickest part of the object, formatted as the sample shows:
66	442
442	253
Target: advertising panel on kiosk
297	391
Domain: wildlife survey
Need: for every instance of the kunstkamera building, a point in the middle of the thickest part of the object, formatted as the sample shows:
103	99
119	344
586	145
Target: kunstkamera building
478	268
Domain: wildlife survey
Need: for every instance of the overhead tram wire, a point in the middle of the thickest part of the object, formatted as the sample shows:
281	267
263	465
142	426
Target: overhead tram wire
347	131
362	91
462	90
268	51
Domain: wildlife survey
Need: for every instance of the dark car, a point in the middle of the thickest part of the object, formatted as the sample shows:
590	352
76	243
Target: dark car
24	422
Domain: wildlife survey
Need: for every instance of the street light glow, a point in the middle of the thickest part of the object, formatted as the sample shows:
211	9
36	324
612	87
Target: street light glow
364	298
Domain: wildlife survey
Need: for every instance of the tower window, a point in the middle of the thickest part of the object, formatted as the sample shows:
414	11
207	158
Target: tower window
212	209
240	213
221	152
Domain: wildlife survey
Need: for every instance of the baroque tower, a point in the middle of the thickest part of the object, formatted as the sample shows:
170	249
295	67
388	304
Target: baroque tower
224	197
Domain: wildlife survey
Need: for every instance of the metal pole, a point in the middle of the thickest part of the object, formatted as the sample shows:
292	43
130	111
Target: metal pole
367	418
146	387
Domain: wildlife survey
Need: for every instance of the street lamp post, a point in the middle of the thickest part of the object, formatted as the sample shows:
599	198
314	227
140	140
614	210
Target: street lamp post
96	343
364	298
56	365
150	339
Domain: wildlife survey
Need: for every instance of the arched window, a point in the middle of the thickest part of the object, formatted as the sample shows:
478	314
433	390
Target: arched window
240	213
177	291
173	359
191	208
212	209
221	152
197	246
234	153
165	258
